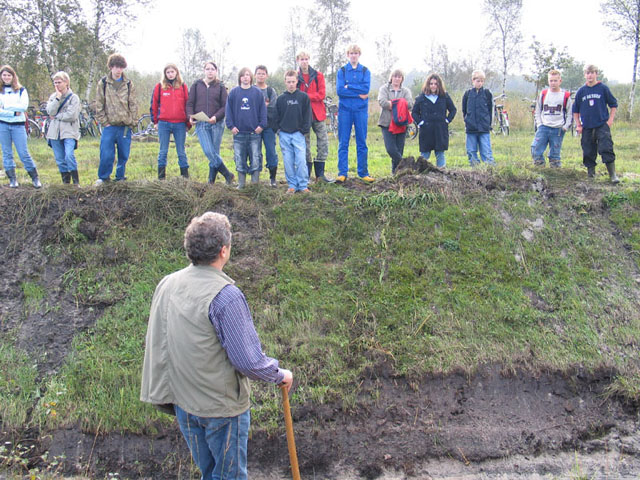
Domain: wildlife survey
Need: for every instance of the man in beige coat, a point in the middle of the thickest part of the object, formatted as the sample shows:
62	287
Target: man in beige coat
201	351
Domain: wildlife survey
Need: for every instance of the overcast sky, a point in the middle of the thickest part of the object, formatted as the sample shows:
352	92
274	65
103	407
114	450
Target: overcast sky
256	31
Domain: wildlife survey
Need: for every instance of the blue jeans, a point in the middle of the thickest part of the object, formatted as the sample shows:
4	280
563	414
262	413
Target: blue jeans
246	146
210	137
269	140
16	134
551	136
218	445
440	160
113	136
179	130
357	118
64	153
294	157
483	141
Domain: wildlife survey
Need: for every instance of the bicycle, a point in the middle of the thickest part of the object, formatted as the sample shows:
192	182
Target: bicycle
532	108
412	131
500	116
332	115
88	123
146	127
38	121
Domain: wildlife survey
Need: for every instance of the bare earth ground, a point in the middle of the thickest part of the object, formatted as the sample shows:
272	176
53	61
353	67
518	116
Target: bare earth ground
492	425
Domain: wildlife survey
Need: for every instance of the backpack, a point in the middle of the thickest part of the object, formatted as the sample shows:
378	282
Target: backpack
344	70
104	86
567	96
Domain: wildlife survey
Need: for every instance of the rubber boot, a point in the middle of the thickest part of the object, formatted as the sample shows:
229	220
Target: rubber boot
255	177
611	168
34	178
74	177
309	168
242	179
184	171
394	165
228	176
66	177
213	174
272	176
162	173
11	175
591	172
320	176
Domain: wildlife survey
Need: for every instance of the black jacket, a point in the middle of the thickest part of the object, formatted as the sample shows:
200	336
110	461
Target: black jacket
434	131
477	108
294	112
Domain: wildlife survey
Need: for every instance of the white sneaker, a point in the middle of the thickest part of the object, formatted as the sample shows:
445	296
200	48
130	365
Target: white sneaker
99	182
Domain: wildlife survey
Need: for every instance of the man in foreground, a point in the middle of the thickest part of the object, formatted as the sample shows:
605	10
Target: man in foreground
201	350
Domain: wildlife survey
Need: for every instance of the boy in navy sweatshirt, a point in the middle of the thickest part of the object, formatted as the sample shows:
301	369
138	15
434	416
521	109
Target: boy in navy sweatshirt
593	120
246	117
293	109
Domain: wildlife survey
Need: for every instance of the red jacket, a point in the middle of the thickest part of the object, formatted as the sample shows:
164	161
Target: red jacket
313	85
169	104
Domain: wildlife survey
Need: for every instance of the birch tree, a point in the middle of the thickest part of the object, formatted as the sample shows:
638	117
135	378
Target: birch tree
504	17
330	21
623	18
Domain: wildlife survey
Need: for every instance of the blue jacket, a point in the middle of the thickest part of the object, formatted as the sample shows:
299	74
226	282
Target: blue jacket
350	84
591	103
477	109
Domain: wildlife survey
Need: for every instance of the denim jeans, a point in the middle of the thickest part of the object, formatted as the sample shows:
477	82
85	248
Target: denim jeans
179	131
322	142
547	136
358	119
394	144
218	445
64	153
16	134
440	160
246	146
483	141
113	136
294	149
210	137
269	140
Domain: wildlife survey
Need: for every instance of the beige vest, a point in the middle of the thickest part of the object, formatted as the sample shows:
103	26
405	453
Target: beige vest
184	363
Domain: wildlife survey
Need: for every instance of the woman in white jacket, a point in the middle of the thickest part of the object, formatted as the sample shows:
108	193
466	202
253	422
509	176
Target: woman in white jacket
64	130
14	101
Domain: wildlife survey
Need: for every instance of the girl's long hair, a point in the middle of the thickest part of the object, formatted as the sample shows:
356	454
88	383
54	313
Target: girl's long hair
15	83
177	83
427	90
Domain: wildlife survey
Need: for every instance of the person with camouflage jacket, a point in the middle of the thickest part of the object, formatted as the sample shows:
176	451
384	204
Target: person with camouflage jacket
117	112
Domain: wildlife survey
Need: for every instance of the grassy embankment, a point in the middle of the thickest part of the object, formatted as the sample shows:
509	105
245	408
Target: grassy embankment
425	279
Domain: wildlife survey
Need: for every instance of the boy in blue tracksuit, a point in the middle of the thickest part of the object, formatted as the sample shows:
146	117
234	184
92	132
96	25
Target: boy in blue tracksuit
593	120
352	84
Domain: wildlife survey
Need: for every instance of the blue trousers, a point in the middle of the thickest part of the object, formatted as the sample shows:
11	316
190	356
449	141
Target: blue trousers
210	137
547	136
440	160
357	119
269	140
480	141
218	445
15	134
179	131
294	157
246	146
113	136
64	153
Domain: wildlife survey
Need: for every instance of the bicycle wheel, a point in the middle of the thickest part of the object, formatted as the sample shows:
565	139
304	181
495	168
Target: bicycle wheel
33	130
412	131
144	124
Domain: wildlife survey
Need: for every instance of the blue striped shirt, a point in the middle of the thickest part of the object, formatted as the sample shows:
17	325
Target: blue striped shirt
229	313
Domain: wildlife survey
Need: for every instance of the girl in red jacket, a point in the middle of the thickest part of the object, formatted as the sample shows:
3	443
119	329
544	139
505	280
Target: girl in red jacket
168	110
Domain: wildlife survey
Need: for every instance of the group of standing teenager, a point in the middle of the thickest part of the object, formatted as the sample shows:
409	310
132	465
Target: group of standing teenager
255	115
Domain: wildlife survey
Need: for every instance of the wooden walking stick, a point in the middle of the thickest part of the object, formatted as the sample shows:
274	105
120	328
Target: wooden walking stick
291	442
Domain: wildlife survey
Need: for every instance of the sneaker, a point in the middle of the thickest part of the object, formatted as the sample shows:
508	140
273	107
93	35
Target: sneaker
99	182
291	190
341	179
306	190
273	183
368	179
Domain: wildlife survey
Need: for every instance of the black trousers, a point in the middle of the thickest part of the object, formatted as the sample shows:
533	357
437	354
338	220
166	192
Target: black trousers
594	141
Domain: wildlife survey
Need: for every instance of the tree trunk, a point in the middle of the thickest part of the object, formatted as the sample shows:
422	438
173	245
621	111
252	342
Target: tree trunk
636	47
